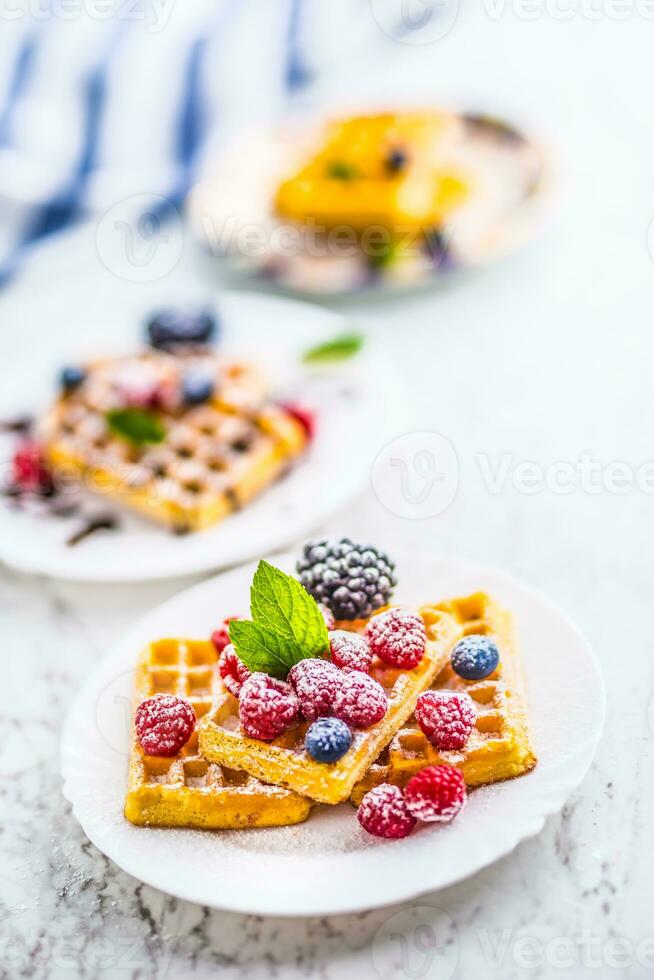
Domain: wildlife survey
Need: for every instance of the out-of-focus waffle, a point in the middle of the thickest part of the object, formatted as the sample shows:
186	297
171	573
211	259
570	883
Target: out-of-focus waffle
348	180
213	459
186	790
285	762
499	746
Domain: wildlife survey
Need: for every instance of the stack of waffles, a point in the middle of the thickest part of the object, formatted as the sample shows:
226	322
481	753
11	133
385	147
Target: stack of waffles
207	459
225	779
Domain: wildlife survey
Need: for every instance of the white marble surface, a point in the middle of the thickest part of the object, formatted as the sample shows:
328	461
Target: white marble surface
546	359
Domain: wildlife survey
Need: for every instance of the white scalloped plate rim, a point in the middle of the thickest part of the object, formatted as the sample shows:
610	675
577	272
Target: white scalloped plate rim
274	872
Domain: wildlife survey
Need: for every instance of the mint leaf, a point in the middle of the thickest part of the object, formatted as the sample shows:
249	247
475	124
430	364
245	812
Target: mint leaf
262	649
279	602
341	347
287	625
136	425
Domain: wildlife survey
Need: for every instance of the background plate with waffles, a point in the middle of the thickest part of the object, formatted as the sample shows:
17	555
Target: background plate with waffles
328	864
86	323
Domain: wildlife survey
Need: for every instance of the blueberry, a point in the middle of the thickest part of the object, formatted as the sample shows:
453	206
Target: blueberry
197	389
166	328
71	377
328	739
475	657
396	161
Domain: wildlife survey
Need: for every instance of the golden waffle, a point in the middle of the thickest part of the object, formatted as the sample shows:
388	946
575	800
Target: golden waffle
215	457
499	745
185	790
285	762
420	195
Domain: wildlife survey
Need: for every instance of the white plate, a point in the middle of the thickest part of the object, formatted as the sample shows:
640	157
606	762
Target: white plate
66	326
329	865
232	213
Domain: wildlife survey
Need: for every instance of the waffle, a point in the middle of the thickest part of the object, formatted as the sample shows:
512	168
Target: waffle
214	458
419	195
499	745
285	762
186	790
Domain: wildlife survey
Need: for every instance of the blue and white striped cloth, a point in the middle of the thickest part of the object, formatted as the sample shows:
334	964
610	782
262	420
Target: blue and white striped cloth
103	99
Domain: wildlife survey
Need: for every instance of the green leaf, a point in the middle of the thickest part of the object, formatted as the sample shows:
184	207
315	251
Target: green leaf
262	649
342	170
136	425
287	625
338	349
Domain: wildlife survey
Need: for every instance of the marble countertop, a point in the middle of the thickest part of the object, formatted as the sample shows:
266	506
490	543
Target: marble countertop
538	374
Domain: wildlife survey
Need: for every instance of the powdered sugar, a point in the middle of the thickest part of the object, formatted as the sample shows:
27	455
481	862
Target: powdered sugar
267	706
360	700
446	718
164	724
384	813
315	682
350	651
397	637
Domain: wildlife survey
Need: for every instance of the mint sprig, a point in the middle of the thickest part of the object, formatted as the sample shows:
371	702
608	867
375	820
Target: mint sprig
136	425
338	349
286	627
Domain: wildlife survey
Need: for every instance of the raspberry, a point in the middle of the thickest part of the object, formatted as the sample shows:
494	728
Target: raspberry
350	651
315	682
397	637
232	670
304	416
384	813
29	469
436	793
220	637
446	718
267	707
328	616
164	724
360	700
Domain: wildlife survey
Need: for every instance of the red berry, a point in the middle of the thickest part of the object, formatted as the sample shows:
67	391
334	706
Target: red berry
164	724
384	813
29	468
232	670
316	682
446	718
436	793
328	616
267	706
350	651
397	637
304	416
360	700
220	637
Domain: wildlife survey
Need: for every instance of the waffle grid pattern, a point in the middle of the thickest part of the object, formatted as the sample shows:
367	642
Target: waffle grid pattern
285	762
499	745
214	459
187	790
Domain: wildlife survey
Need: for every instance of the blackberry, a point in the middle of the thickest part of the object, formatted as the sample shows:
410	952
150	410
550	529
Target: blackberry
352	580
169	328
